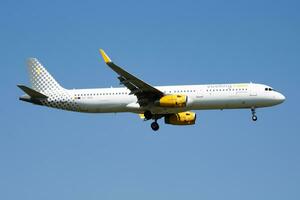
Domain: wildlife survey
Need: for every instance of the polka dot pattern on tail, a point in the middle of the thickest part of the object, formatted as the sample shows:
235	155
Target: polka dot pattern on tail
40	79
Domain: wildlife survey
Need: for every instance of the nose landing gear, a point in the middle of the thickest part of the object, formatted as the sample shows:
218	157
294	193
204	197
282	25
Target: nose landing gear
254	117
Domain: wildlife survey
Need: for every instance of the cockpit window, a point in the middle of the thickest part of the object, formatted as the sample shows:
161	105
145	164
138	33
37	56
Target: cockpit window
269	89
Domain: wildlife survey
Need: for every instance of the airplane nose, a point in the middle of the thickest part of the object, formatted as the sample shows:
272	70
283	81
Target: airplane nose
280	97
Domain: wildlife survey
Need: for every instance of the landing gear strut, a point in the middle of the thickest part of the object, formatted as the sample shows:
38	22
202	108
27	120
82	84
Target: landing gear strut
254	117
148	115
154	126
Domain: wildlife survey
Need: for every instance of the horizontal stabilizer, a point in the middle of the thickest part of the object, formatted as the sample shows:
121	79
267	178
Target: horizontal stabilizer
32	93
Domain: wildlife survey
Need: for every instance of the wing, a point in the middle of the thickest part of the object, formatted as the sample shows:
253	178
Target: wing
144	92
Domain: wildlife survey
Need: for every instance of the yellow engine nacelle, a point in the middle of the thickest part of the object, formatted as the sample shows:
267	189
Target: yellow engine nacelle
182	118
172	101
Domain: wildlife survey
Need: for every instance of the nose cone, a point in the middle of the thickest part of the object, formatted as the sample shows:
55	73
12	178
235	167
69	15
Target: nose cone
280	98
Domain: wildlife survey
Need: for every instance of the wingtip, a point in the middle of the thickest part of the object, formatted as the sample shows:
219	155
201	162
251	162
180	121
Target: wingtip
105	57
19	86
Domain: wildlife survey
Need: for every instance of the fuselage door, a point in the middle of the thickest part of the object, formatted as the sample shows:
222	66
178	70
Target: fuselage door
253	90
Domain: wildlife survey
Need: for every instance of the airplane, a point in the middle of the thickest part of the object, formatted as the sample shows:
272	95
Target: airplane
173	103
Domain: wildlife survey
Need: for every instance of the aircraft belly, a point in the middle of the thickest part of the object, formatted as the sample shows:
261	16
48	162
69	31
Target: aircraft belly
165	110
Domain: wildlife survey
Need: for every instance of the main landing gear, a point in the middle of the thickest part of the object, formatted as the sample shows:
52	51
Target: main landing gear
148	115
154	125
254	117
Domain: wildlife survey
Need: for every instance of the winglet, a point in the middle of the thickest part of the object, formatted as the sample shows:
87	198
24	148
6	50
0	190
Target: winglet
105	57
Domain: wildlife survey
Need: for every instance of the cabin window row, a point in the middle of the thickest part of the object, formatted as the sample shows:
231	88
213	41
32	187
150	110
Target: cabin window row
122	93
179	91
223	90
100	94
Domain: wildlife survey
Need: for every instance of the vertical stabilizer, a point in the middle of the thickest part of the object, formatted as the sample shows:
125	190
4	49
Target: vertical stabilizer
41	80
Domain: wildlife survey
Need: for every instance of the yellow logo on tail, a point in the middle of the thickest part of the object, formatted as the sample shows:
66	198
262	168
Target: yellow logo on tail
38	70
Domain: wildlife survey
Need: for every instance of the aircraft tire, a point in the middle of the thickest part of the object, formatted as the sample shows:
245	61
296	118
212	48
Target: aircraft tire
154	126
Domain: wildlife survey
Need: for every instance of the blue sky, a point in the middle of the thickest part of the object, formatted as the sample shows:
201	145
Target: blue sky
52	154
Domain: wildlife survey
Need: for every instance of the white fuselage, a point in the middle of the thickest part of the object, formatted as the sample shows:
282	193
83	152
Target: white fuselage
200	97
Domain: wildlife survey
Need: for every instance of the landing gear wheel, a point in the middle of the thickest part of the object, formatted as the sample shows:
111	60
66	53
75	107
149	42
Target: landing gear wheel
148	115
154	126
254	117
